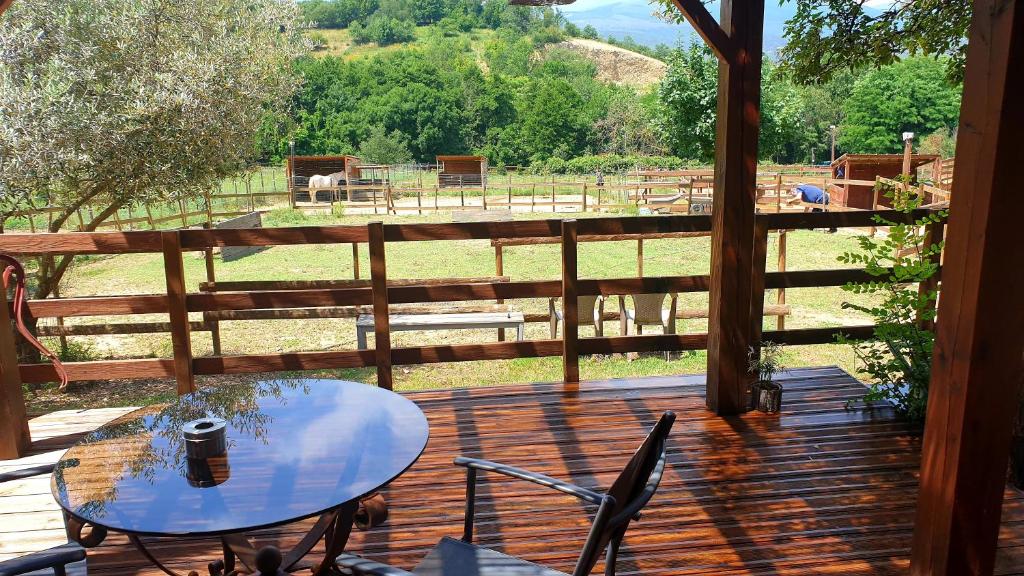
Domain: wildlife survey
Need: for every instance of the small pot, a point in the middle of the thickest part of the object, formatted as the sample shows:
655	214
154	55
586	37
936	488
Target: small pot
767	397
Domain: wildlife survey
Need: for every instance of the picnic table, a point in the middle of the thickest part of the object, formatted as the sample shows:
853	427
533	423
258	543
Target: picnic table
462	321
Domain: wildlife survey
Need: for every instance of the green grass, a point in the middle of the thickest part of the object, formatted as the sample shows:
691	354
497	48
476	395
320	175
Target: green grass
143	273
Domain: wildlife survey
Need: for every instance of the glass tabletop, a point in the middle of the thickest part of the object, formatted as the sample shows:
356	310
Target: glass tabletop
295	449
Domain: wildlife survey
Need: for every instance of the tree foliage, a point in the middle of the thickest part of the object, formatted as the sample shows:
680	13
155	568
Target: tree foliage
910	95
827	36
113	102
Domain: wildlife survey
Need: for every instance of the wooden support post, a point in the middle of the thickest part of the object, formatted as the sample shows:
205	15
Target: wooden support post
977	370
780	294
381	319
181	338
584	197
570	312
14	433
732	214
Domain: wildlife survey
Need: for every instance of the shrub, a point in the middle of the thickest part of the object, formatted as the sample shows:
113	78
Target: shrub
898	359
607	163
384	30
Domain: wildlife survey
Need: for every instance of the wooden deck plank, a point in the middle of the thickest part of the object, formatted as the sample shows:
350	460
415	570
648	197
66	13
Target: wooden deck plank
821	489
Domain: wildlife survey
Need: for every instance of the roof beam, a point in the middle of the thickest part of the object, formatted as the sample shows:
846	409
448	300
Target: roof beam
707	27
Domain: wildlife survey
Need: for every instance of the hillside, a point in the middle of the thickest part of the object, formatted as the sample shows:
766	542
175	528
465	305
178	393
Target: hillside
618	65
614	64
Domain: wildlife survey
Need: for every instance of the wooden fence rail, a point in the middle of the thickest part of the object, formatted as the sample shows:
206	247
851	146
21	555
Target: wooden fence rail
379	293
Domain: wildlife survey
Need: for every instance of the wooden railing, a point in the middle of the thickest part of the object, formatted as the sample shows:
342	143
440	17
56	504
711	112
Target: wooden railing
176	302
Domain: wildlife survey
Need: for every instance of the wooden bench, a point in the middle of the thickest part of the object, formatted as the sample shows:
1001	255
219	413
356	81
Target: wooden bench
476	320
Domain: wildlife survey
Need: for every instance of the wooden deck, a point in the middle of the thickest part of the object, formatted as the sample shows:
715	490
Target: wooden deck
817	490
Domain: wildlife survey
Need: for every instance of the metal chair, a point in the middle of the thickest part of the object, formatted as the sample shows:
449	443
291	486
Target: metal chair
590	310
648	310
65	560
623	502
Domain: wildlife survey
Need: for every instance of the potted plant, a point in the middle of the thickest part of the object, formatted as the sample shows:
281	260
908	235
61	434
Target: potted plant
765	393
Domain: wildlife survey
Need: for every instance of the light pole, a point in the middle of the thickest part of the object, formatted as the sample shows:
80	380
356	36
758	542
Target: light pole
832	132
291	173
908	149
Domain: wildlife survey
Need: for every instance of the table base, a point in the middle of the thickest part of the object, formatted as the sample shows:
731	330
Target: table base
333	527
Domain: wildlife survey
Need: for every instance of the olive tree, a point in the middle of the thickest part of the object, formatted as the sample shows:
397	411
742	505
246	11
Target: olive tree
108	103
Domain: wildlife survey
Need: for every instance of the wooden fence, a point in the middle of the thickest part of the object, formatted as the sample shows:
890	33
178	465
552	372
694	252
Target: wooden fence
177	302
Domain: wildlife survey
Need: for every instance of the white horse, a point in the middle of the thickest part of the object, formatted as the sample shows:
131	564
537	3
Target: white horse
319	182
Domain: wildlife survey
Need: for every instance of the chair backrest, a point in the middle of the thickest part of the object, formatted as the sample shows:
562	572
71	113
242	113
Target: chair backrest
627	496
647	308
585	309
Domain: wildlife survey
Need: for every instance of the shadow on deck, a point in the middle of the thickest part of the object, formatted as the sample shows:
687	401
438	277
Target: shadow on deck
819	489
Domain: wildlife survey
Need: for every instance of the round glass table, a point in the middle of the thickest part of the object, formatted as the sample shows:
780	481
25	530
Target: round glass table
296	449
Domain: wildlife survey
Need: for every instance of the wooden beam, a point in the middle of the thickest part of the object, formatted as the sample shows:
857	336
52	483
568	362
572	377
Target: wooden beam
381	318
732	215
181	337
570	312
977	368
706	26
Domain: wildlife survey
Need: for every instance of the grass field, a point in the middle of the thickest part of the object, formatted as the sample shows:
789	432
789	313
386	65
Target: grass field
143	273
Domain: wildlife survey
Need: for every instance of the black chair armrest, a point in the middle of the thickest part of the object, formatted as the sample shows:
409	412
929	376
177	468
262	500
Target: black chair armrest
54	557
27	473
536	478
359	566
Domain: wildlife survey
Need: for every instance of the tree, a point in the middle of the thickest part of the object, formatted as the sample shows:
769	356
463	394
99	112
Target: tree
688	96
910	95
383	148
108	103
552	123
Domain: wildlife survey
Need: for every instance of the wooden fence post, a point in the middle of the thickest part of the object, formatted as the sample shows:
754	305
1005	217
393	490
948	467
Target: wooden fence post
933	234
14	433
181	338
381	320
355	260
780	294
211	277
499	268
570	312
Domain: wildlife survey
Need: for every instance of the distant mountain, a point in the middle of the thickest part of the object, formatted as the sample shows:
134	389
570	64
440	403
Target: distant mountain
620	18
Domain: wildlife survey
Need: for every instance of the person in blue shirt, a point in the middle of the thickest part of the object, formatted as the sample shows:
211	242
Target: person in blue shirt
811	194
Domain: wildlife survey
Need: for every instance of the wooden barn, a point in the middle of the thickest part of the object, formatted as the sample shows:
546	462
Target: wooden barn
298	169
867	167
460	171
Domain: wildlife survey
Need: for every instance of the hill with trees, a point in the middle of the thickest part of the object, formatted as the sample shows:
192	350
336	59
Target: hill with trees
411	80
